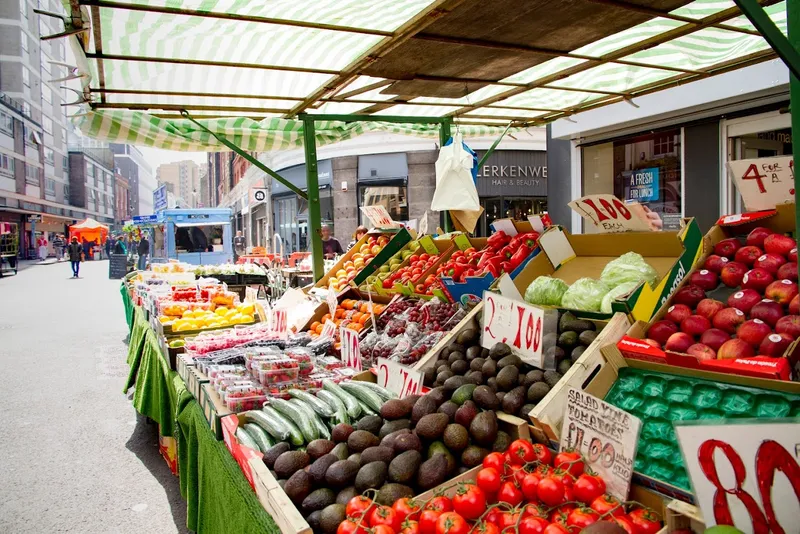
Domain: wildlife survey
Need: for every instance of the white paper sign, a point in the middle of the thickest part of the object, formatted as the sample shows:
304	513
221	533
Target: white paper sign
515	323
279	325
398	378
745	473
379	217
609	214
328	329
764	182
606	437
333	303
351	353
423	225
505	225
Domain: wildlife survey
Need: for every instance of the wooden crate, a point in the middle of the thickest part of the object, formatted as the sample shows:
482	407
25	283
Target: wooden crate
182	364
213	408
276	502
681	515
195	380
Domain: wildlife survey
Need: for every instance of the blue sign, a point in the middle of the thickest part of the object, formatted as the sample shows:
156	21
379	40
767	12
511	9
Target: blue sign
160	198
641	184
145	219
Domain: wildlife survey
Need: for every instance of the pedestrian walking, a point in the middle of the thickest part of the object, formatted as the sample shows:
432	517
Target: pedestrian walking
109	245
239	244
58	246
143	250
119	247
42	244
75	252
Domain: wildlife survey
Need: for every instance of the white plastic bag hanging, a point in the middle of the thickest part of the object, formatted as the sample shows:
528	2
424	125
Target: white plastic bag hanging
455	189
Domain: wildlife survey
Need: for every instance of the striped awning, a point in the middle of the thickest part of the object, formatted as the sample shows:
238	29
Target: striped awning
247	69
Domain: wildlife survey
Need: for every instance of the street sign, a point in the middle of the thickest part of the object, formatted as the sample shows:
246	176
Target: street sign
34	218
160	198
258	195
145	219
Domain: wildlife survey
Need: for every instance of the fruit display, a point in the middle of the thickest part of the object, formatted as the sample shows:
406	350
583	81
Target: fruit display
228	269
367	250
350	313
736	305
411	275
199	319
527	490
393	264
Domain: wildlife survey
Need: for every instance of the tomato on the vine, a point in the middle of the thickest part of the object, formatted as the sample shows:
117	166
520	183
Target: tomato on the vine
532	525
550	491
521	452
385	515
508	520
607	504
559	517
569	461
382	529
529	485
486	528
488	479
567	479
427	521
543	470
519	474
406	508
623	522
534	510
645	520
469	501
556	528
441	504
351	526
542	454
509	493
588	487
496	460
357	506
451	523
493	516
581	518
409	527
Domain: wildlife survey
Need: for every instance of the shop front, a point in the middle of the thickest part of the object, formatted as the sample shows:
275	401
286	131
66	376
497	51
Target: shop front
290	212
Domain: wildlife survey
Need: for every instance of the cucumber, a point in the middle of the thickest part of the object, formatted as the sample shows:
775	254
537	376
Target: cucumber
315	420
364	394
260	436
382	392
245	439
336	404
320	408
295	436
290	411
365	410
274	426
350	403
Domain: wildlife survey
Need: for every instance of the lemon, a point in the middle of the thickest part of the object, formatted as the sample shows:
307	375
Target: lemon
222	310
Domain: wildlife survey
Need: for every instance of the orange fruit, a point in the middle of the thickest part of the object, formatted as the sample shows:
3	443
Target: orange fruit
318	329
356	326
339	313
314	326
325	317
363	319
347	304
364	308
378	308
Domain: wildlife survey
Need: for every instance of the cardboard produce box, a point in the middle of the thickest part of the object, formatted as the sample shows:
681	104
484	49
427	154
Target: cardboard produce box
427	245
241	453
571	257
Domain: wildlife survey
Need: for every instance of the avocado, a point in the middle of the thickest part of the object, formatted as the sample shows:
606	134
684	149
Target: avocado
432	472
577	325
298	486
390	493
318	499
377	454
331	516
456	437
511	359
443	377
500	395
273	452
393	426
456	347
489	368
513	400
564	320
485	398
449	408
492	383
502	442
587	337
320	466
438	395
361	440
466	413
537	392
499	351
555	354
463	394
389	439
473	456
370	423
438	447
319	447
551	378
403	469
576	353
341	432
428	376
454	357
410	401
525	411
568	340
341	451
443	367
372	475
467	337
407	442
432	426
290	462
426	405
394	409
474	352
341	474
483	428
459	367
344	496
474	377
507	378
313	521
476	364
355	457
453	383
564	365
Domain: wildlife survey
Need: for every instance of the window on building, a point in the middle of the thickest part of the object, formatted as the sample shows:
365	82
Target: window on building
65	163
663	144
24	42
23	9
47	124
49	156
392	197
89	170
63	135
50	186
6	164
66	192
31	174
26	108
6	123
47	96
26	77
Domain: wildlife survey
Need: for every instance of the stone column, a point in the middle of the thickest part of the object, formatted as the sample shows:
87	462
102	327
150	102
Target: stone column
345	203
421	184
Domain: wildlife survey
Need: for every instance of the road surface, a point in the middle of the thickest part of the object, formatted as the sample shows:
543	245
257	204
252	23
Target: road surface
75	456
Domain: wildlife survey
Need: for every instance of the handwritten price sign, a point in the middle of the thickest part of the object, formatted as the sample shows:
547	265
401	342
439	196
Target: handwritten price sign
605	435
609	214
744	474
398	378
351	353
279	325
379	217
332	302
515	323
764	182
328	329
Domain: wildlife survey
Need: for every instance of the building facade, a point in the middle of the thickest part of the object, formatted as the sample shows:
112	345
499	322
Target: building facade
92	184
182	179
122	200
134	167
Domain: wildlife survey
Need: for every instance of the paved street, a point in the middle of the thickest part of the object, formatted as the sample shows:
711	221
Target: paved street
74	455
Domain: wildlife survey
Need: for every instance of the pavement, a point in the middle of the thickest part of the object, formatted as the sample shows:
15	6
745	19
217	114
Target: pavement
75	456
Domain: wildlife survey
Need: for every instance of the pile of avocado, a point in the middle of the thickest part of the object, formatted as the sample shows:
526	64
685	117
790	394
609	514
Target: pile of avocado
573	338
416	444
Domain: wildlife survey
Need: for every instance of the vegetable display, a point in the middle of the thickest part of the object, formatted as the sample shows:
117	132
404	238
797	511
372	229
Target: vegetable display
502	254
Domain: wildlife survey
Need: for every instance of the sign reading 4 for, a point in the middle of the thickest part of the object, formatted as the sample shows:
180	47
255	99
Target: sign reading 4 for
764	182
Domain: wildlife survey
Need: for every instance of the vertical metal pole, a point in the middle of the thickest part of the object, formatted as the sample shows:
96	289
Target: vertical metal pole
444	135
793	22
312	181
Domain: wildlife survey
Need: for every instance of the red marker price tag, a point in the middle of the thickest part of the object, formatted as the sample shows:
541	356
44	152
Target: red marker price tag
279	324
609	214
379	217
399	378
351	353
515	323
328	330
332	302
764	182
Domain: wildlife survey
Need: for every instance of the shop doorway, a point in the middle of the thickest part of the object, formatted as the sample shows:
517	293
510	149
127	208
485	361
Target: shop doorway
517	208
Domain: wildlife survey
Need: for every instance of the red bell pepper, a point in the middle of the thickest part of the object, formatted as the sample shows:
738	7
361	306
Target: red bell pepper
519	256
492	269
530	239
496	262
487	255
456	270
498	239
507	252
506	267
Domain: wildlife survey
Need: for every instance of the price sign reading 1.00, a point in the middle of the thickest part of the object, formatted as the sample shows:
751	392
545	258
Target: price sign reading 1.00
398	378
609	214
351	353
515	323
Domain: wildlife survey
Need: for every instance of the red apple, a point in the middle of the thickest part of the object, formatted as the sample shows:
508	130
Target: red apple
661	330
757	279
653	343
695	325
735	348
732	274
790	324
708	308
714	338
768	311
753	331
690	295
775	345
793	255
748	255
770	262
788	271
679	342
728	320
704	279
779	244
715	263
781	291
794	305
677	313
756	237
701	352
727	247
744	300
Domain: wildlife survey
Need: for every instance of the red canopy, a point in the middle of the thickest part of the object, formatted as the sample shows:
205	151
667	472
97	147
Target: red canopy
89	229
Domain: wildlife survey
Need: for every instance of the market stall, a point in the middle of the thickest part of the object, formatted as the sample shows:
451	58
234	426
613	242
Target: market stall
198	236
90	231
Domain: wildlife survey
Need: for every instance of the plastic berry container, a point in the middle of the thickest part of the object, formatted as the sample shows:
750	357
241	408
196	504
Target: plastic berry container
243	398
269	363
270	377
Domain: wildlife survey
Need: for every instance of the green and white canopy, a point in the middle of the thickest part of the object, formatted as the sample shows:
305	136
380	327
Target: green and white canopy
247	69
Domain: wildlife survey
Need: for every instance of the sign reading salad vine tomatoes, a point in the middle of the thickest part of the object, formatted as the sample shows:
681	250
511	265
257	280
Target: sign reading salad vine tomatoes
744	474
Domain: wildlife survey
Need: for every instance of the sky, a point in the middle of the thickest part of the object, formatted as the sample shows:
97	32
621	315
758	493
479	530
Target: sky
156	156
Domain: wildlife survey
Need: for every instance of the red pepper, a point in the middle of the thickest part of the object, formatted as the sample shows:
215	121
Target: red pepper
497	239
529	238
495	262
456	270
519	256
488	255
506	267
507	252
492	269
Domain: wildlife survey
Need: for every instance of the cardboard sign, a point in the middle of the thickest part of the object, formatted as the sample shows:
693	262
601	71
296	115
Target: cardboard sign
351	353
328	329
505	225
764	182
423	224
398	378
333	303
279	324
379	217
609	214
606	437
515	323
744	473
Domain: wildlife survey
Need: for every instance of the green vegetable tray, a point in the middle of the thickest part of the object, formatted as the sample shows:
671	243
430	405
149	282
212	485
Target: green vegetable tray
658	399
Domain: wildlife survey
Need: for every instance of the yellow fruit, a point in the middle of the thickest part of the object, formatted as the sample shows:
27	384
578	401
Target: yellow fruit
247	318
247	309
222	310
187	313
164	319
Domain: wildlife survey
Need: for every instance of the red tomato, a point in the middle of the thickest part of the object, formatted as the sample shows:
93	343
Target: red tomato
521	452
424	256
606	504
529	485
535	511
488	479
565	478
508	520
559	517
427	521
383	529
556	528
569	461
441	504
623	522
532	525
406	508
582	518
519	474
451	523
509	493
384	515
550	491
645	520
350	526
357	506
543	470
486	528
542	454
409	527
493	516
588	487
496	460
469	501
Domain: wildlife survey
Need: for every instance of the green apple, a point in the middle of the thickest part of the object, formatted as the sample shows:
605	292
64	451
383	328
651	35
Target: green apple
407	253
384	269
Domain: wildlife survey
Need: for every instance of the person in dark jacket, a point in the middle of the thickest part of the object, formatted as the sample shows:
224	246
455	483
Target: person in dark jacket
143	250
75	252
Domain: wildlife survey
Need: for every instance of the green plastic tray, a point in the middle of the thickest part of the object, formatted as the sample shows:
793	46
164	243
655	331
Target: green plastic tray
659	399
